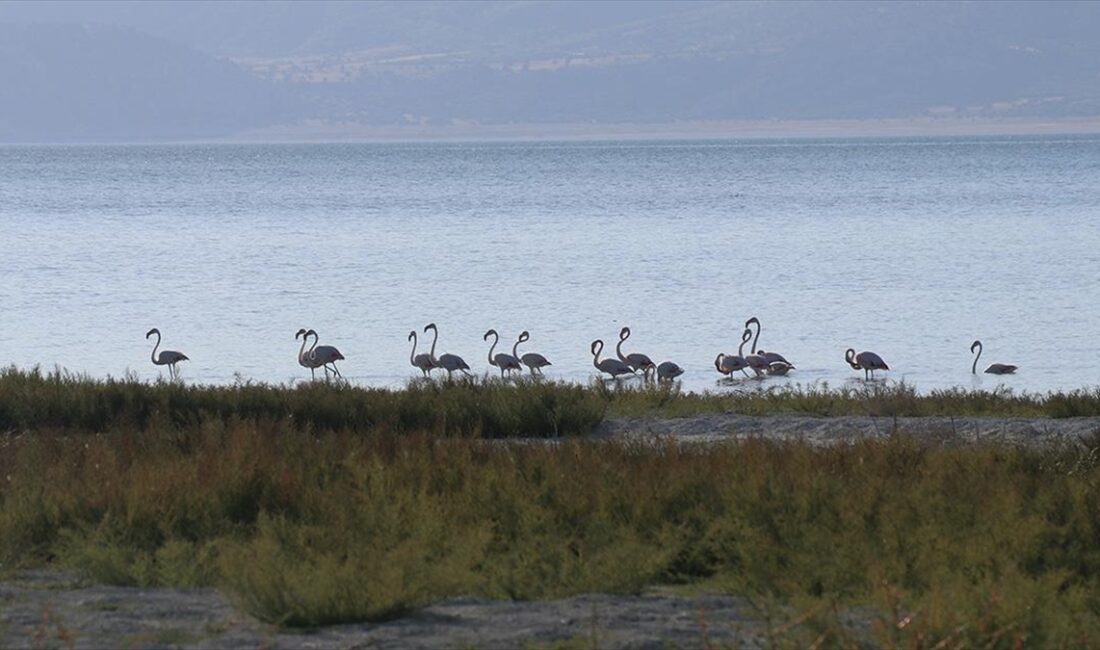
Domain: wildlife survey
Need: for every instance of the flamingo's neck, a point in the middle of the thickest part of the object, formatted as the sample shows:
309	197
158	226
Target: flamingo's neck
496	338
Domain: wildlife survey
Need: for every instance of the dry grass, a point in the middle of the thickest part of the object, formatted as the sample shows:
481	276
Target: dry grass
320	504
977	545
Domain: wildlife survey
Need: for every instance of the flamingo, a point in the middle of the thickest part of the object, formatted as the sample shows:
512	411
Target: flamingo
448	362
758	363
324	355
422	360
667	371
533	360
166	357
770	358
613	367
779	368
304	358
503	360
869	362
994	368
636	360
727	364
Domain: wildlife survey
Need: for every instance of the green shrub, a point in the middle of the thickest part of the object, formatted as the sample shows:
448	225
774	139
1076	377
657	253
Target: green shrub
980	545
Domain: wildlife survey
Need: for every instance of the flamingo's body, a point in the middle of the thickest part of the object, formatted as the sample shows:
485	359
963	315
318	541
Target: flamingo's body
636	360
452	363
727	364
668	371
774	357
868	362
777	363
502	360
994	368
423	361
758	364
449	362
166	357
779	368
533	360
324	355
613	367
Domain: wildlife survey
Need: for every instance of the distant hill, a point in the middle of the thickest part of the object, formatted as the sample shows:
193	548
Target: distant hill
178	69
62	82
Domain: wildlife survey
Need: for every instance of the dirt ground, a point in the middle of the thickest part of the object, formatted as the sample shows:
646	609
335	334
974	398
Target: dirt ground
52	609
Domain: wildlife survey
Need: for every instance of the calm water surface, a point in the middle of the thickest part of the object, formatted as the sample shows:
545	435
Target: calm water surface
911	248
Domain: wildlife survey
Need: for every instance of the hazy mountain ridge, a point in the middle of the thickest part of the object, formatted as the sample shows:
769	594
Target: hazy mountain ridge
91	82
210	69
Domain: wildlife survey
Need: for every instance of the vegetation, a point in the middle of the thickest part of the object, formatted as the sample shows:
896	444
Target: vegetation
346	511
878	400
471	408
34	401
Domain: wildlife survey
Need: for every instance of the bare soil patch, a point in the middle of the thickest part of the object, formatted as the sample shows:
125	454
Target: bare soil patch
52	609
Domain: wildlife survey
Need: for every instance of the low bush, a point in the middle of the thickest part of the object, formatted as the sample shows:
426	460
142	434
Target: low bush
983	544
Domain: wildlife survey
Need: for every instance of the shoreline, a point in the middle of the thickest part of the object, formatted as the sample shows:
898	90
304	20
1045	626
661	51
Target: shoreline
748	130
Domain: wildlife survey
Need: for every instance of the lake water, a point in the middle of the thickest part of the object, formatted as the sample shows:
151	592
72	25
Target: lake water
908	247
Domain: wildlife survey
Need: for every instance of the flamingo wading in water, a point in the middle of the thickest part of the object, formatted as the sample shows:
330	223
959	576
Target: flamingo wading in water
667	371
448	362
166	357
636	360
304	358
868	362
613	367
994	368
422	360
773	362
502	360
324	355
727	364
533	360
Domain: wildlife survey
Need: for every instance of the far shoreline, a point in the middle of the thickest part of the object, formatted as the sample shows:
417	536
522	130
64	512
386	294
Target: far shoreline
718	130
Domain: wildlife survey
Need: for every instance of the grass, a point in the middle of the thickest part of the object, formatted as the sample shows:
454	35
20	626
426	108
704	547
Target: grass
970	545
32	400
879	400
322	504
61	401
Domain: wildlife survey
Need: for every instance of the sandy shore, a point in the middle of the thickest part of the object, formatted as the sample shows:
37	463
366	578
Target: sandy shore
51	609
719	427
